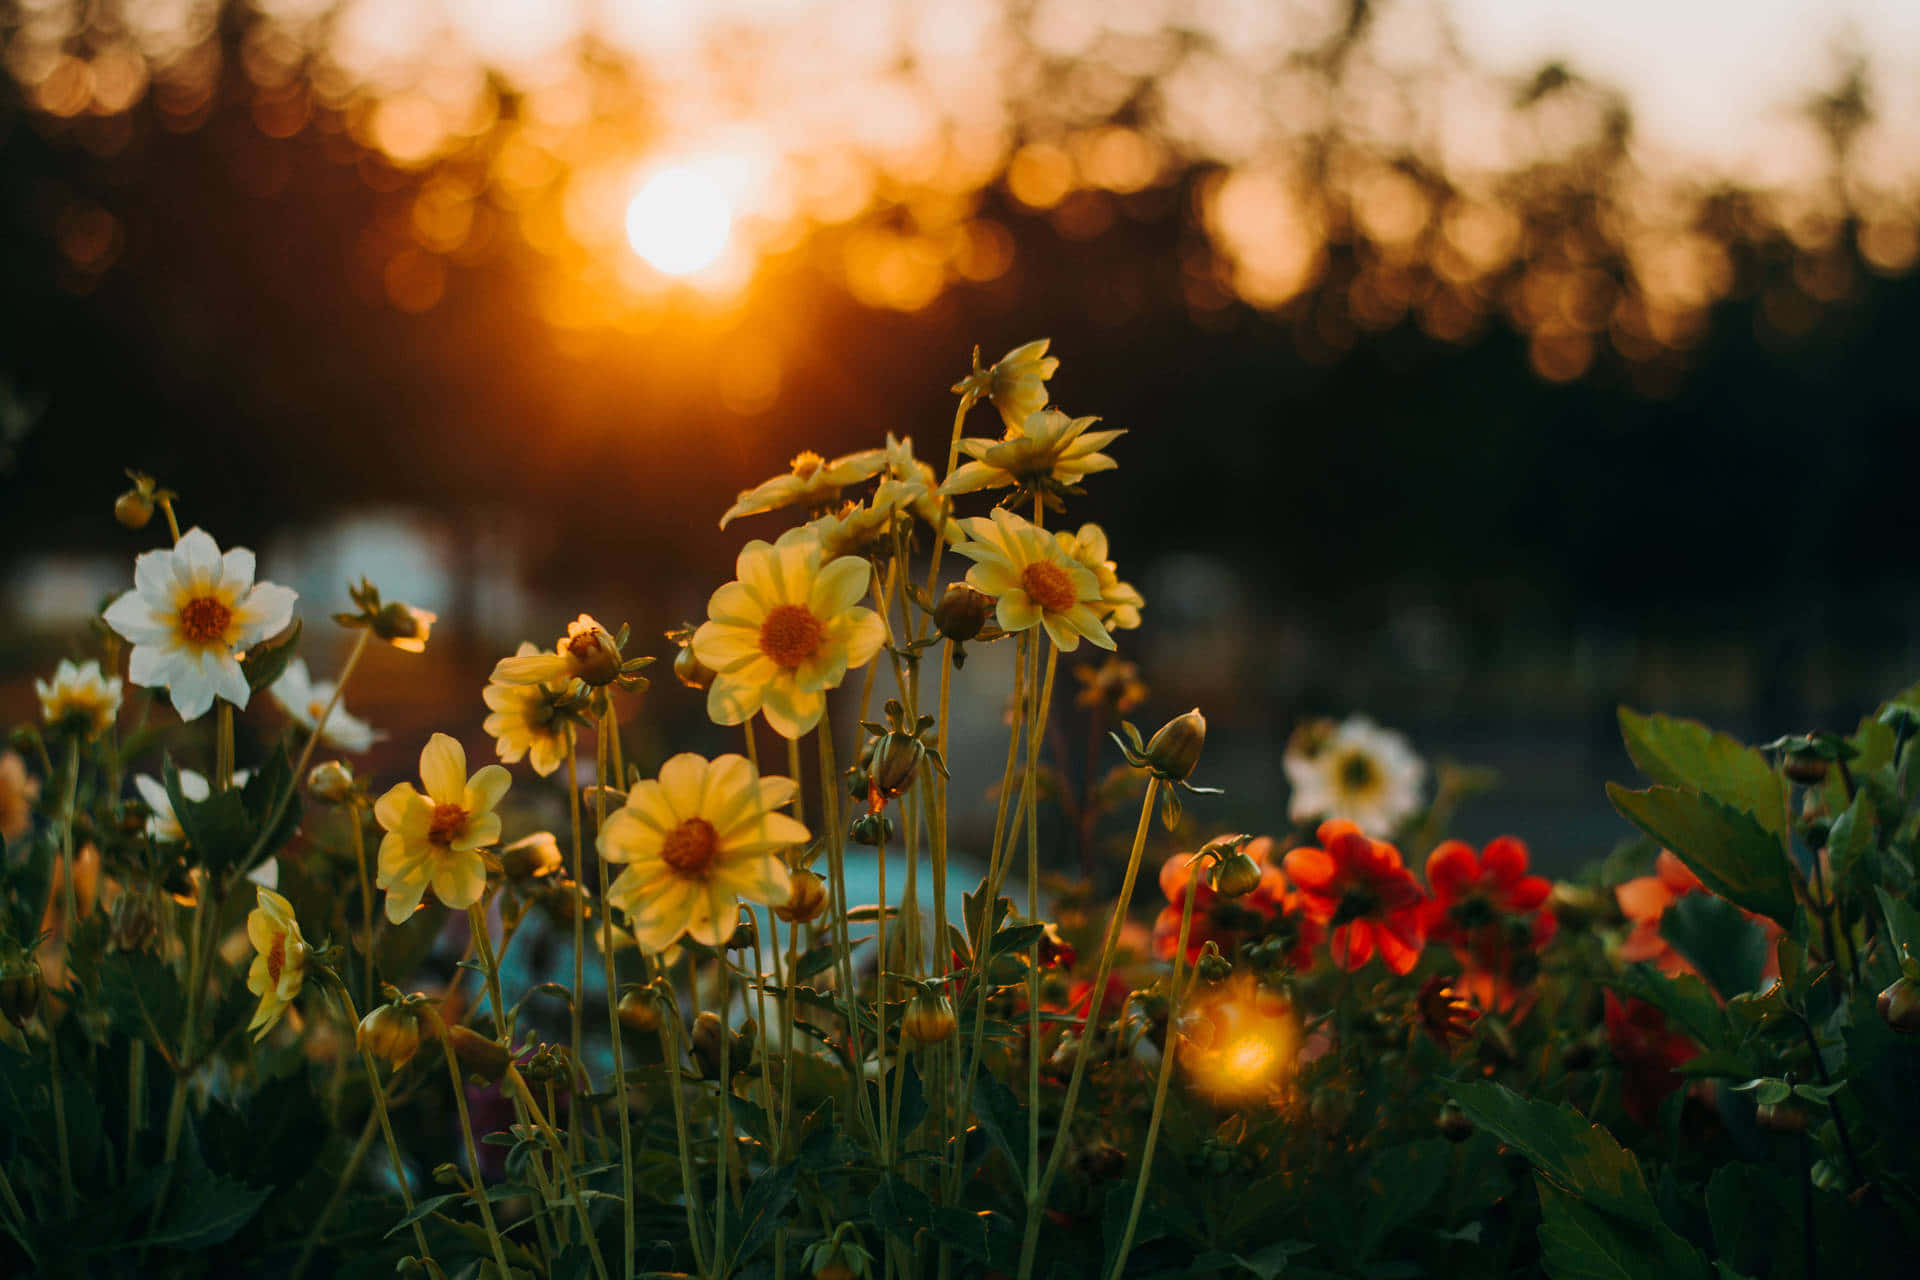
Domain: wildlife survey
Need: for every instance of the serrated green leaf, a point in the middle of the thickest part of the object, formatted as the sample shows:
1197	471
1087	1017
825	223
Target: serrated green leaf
267	662
1564	1148
1689	755
144	996
1718	939
205	1210
1578	1242
767	1198
1685	999
1734	855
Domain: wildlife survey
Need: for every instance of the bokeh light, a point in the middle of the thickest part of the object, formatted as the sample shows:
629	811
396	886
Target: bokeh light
679	221
1246	1043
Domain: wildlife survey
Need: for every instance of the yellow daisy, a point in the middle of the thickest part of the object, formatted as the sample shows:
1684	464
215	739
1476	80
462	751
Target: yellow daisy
1016	383
696	841
813	482
1033	580
586	653
1049	452
1120	603
784	632
80	697
280	962
525	722
435	839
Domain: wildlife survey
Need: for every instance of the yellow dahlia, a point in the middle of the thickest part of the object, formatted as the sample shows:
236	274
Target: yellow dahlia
526	722
695	842
80	697
435	839
813	482
280	960
784	632
1120	603
1033	580
1016	383
1048	453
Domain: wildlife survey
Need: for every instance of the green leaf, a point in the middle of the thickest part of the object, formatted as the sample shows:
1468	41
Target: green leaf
968	1233
267	662
1719	940
1016	938
1689	755
1398	1184
216	828
901	1209
206	1210
272	789
1269	1262
1852	846
1734	855
999	1113
1566	1150
144	996
421	1208
767	1198
1578	1242
1685	999
1903	922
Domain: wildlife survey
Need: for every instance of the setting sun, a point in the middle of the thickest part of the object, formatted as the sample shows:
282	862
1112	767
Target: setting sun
679	221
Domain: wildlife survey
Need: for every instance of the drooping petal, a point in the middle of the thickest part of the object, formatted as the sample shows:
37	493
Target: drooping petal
224	674
790	710
190	690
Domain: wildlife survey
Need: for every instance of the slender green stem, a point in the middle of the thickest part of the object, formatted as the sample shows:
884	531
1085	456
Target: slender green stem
378	1091
723	1122
583	1082
359	837
1031	799
71	927
837	866
490	968
1167	1055
68	1199
1036	1206
223	746
518	1082
479	1188
23	1234
258	851
670	1052
609	757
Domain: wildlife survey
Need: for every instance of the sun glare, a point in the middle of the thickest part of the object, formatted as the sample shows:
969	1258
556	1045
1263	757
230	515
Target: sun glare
679	221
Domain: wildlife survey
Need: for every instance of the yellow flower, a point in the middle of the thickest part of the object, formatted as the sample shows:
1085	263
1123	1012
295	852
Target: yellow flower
1120	603
1033	580
813	482
435	839
280	965
696	841
586	653
524	721
910	485
784	632
1049	452
1016	383
79	696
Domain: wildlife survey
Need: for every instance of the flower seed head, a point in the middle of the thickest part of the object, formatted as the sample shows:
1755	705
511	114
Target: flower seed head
1900	1005
1235	875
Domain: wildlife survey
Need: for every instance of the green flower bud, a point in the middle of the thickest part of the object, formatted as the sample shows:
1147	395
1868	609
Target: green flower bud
133	508
331	781
929	1018
1234	875
532	858
691	672
962	613
1900	1005
21	988
1453	1123
1173	752
393	1032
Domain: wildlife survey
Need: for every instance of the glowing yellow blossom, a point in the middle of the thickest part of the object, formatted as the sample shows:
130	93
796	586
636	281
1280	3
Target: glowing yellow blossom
527	720
280	965
435	839
813	482
1049	453
586	653
191	613
696	841
784	633
1016	383
1033	580
1120	603
79	697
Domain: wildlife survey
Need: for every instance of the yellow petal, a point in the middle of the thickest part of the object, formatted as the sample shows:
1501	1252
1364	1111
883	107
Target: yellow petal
443	768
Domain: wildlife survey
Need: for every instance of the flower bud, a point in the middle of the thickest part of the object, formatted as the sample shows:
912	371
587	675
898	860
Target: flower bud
1453	1123
1101	1161
704	1044
544	1067
1175	750
133	508
806	898
639	1011
397	621
1900	1005
871	829
331	781
592	654
21	988
1212	966
537	856
393	1032
896	762
929	1018
1806	769
962	613
692	672
1234	875
745	935
482	1057
133	922
447	1174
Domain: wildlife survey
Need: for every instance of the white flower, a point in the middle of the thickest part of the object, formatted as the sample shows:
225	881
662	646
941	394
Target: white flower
80	696
190	615
1354	770
305	701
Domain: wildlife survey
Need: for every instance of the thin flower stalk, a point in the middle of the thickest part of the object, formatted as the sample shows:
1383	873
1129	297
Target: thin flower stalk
255	854
71	877
843	950
671	1053
479	1188
609	737
723	1122
489	969
575	1005
774	1127
359	838
347	1172
379	1092
1036	732
1036	1206
518	1083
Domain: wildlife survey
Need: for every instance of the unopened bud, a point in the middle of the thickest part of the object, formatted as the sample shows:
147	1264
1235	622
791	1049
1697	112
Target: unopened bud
962	613
591	653
1806	769
692	672
704	1044
639	1011
1900	1005
533	858
447	1174
331	781
896	761
1212	966
1453	1123
1175	750
929	1018
393	1032
1234	875
482	1057
745	935
543	1067
871	829
133	509
397	621
21	988
806	898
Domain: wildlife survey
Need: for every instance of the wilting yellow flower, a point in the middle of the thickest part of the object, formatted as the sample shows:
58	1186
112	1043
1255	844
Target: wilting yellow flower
280	962
190	615
1048	452
525	722
1016	383
696	841
586	653
435	839
1033	580
1120	603
79	697
305	700
784	632
813	482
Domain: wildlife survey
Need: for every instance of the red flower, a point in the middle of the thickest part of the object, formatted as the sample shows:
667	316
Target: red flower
1270	909
1648	1053
1487	908
1359	888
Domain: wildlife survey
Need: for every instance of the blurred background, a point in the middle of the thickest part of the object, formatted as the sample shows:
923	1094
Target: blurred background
1486	363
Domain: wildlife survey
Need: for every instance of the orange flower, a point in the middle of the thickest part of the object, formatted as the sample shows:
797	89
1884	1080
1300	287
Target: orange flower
1490	911
1359	888
1644	900
1270	909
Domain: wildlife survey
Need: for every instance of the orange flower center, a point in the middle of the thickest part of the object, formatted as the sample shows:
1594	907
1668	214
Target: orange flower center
690	847
806	463
203	620
790	634
277	957
447	820
1049	586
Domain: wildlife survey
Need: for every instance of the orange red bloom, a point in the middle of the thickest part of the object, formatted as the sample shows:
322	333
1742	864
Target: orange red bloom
1490	911
1359	889
1644	900
1270	908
